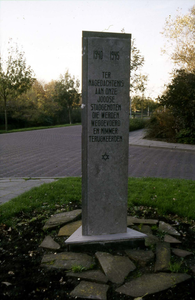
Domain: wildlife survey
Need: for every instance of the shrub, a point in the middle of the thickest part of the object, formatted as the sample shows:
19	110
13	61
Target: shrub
179	97
162	125
186	136
76	115
135	124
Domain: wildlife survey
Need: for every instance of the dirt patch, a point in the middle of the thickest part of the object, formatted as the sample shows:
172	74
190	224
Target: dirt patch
21	276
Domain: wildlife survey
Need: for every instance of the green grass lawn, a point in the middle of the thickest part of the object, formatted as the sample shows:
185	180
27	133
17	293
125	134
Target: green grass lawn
168	196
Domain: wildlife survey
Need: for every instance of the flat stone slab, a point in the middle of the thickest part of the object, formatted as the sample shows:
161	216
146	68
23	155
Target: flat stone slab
116	268
49	243
164	227
151	240
141	256
70	228
78	238
133	220
90	290
62	218
151	283
181	253
146	229
66	260
163	256
92	275
169	239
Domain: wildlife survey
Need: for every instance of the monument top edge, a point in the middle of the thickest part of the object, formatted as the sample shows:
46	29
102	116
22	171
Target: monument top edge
106	34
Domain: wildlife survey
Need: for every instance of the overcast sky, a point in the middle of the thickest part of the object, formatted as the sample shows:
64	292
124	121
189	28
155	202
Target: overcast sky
50	32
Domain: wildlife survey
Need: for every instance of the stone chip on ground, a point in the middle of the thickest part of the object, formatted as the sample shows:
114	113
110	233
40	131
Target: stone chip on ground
165	227
169	239
62	218
151	283
146	229
92	275
134	220
90	290
66	260
141	256
115	267
151	240
180	252
70	228
163	256
49	243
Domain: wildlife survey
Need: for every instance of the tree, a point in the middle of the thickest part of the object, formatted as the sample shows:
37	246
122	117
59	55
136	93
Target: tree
29	106
50	106
67	92
180	99
145	105
174	119
138	80
180	35
15	77
36	106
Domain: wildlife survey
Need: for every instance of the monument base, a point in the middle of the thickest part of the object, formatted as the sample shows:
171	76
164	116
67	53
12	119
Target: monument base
77	238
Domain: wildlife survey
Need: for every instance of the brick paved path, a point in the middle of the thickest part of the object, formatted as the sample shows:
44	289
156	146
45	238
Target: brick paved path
56	152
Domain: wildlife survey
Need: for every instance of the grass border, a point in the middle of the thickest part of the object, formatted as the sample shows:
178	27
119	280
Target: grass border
167	196
37	128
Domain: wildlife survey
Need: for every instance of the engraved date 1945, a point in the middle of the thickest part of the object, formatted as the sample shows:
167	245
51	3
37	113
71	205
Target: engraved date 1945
114	55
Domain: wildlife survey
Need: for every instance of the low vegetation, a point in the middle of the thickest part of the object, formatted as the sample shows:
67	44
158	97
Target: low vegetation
135	124
165	196
37	128
169	196
22	220
174	119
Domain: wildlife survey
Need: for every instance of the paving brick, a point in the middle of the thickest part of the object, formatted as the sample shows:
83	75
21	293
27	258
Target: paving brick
57	152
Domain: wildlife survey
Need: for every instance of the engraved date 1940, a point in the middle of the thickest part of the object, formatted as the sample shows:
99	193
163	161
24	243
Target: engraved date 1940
114	55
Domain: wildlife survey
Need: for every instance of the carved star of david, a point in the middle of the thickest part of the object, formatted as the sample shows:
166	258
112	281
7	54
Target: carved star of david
105	156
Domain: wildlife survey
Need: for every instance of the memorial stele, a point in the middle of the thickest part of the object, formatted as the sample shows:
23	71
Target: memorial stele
105	138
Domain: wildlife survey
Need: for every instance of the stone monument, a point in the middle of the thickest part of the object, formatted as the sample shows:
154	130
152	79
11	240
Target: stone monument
105	137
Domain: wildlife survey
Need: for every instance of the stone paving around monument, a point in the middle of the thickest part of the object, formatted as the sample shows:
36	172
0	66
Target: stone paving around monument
13	187
133	272
137	137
